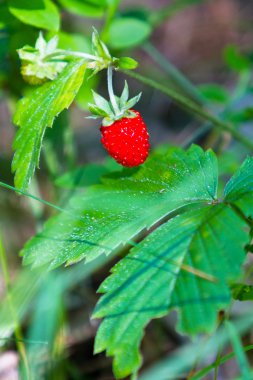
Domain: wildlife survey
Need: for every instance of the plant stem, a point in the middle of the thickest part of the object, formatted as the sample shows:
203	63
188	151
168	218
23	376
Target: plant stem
174	74
64	53
192	107
204	371
17	331
110	91
9	187
242	361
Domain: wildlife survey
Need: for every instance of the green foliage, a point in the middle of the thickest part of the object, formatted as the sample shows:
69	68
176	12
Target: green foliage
109	215
127	32
39	13
166	271
186	264
87	175
239	189
35	113
239	351
127	63
86	8
214	93
242	292
235	60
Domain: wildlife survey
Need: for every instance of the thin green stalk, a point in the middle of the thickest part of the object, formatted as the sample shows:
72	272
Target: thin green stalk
192	107
217	365
17	331
46	203
174	74
50	157
170	10
242	361
204	371
241	87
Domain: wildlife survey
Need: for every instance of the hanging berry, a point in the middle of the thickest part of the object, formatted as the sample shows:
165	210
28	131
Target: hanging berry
124	133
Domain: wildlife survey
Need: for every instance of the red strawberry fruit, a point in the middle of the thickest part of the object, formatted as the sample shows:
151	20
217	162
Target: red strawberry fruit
127	140
124	133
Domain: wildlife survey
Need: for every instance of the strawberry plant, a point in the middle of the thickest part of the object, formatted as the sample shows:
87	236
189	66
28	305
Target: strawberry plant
171	223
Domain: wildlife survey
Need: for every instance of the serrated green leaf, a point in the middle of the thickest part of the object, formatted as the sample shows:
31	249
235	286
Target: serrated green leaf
39	13
35	113
107	216
188	271
239	190
127	32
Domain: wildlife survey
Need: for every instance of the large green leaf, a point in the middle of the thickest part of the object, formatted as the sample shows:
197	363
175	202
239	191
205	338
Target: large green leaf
40	13
106	216
184	264
35	113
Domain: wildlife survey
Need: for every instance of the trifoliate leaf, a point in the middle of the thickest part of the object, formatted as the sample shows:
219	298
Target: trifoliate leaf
186	265
187	261
35	113
107	216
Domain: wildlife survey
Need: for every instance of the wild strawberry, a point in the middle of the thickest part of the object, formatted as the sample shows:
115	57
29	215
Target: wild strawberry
127	140
124	133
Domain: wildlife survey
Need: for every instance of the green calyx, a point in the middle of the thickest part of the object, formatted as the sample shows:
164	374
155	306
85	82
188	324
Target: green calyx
116	108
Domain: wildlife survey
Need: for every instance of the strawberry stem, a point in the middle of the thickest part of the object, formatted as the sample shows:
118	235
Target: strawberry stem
111	92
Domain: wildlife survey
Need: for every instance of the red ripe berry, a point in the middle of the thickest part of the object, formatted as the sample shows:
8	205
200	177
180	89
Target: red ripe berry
127	140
